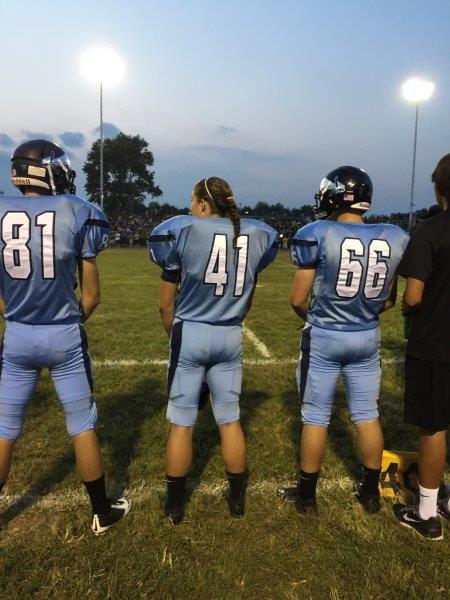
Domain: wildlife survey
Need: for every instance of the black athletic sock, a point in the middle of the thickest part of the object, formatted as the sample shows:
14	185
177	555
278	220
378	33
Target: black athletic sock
237	482
307	485
1	486
176	489
97	494
371	477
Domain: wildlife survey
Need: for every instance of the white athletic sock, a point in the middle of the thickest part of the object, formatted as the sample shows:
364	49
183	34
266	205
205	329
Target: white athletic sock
428	502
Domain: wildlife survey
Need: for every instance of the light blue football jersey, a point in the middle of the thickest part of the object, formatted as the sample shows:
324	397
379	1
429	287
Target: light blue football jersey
42	238
215	280
355	264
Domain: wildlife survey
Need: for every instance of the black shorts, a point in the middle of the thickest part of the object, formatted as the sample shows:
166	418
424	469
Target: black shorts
427	394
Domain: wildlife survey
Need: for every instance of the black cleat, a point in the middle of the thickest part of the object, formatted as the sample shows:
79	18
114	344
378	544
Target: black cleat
409	517
236	507
369	502
119	508
175	513
304	506
288	493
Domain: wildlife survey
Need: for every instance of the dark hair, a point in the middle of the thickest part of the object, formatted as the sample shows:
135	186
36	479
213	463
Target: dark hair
441	177
219	195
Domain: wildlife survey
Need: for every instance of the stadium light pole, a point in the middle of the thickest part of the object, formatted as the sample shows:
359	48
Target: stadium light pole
415	90
102	65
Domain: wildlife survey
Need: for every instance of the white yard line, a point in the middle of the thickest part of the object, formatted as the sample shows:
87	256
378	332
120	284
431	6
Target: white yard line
258	362
147	491
259	345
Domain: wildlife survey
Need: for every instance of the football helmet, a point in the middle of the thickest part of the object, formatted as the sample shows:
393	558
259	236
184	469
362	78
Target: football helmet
42	164
344	188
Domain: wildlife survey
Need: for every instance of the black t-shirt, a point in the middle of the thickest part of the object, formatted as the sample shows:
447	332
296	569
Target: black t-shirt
427	258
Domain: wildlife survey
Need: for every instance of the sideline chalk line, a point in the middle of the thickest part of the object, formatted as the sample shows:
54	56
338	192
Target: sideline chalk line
257	362
259	345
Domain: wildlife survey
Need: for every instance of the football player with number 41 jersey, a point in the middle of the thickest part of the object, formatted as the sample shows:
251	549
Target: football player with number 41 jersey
349	269
214	258
45	235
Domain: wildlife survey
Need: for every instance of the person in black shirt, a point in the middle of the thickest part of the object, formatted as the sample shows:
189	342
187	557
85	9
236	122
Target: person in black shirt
426	266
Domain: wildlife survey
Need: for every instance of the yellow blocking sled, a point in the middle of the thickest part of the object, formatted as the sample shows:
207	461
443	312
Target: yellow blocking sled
399	473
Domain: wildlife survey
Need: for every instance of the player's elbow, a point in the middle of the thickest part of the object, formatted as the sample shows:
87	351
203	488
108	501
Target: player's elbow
91	298
411	302
165	309
297	302
390	303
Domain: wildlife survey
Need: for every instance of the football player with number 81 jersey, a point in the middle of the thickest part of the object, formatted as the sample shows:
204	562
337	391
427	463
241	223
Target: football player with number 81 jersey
214	258
45	235
349	269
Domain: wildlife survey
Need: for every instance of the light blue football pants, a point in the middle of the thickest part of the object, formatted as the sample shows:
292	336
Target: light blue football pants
324	356
199	351
26	350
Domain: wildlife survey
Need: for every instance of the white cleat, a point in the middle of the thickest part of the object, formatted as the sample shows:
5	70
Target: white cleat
119	508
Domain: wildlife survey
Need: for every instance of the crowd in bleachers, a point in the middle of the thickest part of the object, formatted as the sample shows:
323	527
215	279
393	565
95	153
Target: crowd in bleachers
133	230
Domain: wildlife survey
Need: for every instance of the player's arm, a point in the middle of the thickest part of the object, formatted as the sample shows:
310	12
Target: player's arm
412	298
167	297
90	287
390	302
301	291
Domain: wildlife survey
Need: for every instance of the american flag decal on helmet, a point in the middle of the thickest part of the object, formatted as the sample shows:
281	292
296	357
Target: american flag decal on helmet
348	197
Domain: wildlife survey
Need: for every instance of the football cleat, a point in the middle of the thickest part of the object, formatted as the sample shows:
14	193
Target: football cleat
303	506
119	508
288	493
369	502
235	506
408	516
174	513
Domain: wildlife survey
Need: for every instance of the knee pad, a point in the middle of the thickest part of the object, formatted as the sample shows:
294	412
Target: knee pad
364	414
181	415
314	415
226	412
81	415
11	420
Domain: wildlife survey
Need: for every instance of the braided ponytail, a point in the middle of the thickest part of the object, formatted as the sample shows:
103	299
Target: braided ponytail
233	214
219	195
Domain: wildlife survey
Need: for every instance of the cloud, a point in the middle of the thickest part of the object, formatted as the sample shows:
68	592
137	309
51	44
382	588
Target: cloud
73	139
224	130
36	135
109	130
6	141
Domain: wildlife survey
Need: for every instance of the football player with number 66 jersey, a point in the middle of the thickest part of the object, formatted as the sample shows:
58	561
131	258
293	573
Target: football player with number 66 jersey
45	236
349	269
214	258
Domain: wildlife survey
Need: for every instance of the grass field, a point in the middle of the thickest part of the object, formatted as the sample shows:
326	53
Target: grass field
47	549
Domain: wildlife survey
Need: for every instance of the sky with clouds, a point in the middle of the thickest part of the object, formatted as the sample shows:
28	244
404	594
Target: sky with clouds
270	95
